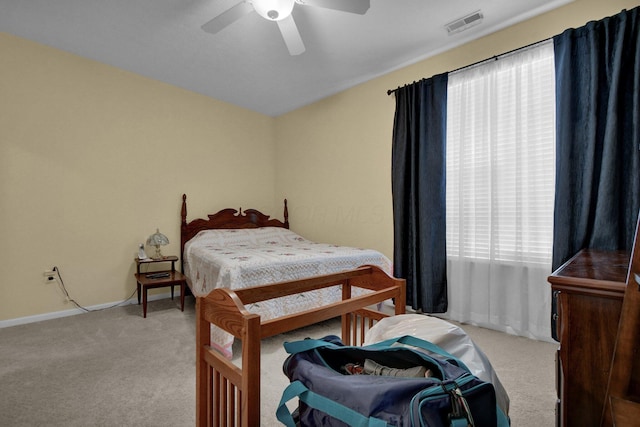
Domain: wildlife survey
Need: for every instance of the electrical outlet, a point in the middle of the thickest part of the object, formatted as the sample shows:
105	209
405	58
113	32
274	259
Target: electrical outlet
50	275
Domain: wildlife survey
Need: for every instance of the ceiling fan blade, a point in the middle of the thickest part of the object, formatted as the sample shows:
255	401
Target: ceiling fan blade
228	17
352	6
291	36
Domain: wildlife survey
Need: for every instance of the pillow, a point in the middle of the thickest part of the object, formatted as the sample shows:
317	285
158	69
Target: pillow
247	237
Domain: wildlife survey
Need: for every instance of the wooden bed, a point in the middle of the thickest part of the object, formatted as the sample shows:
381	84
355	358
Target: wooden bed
228	395
238	249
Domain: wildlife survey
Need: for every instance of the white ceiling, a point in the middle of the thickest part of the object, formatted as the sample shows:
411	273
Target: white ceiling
247	63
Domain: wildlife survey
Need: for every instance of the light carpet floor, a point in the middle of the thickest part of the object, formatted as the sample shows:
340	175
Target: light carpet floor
115	368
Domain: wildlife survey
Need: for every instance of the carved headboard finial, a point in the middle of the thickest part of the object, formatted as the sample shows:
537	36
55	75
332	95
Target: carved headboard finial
183	212
286	214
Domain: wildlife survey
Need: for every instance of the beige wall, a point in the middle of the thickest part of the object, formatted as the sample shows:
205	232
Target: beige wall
93	159
334	156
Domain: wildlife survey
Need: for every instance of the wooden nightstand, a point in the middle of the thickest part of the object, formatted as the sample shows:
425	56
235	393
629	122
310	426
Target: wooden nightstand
159	279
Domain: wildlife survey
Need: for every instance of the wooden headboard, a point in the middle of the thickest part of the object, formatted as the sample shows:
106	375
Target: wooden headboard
226	218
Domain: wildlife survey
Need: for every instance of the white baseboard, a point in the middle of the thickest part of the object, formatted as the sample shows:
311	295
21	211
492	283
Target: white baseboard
72	312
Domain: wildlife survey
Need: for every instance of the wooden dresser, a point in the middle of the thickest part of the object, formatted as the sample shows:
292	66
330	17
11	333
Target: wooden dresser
589	289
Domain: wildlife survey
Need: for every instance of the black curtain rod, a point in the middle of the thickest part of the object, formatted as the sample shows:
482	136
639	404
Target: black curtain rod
495	58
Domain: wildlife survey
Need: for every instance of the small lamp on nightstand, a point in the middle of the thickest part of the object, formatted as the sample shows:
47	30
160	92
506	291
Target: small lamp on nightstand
157	239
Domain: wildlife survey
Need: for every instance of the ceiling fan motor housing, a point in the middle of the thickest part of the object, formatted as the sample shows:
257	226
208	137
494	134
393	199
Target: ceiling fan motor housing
273	10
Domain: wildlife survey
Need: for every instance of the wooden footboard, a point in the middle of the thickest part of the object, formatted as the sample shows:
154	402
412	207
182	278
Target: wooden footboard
227	395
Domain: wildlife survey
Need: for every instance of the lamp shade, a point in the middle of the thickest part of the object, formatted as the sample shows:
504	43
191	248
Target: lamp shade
157	239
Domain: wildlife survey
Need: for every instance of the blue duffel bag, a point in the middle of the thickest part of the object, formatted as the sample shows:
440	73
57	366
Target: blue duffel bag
384	384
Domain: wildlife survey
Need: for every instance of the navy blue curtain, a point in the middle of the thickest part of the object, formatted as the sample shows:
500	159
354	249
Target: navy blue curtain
418	186
597	136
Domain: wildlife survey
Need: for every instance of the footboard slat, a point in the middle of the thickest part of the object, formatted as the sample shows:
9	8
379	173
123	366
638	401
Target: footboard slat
229	396
231	409
214	409
222	410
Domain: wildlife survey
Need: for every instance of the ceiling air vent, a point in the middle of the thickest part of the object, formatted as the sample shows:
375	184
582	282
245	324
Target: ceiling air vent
464	23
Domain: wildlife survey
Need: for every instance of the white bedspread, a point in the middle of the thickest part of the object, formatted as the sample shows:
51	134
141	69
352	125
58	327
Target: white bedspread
240	258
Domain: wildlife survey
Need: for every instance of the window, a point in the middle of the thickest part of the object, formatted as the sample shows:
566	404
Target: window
500	159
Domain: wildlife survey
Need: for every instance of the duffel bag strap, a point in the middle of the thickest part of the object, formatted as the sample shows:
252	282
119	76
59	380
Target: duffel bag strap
503	420
321	403
311	344
420	343
301	346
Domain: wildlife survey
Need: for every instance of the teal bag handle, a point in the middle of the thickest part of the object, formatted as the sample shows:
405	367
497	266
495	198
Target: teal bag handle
503	420
420	343
296	347
312	344
321	403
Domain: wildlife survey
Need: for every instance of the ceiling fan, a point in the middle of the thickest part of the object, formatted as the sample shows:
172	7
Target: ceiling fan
280	12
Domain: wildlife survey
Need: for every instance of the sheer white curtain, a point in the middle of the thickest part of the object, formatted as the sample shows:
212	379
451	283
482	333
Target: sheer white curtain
500	189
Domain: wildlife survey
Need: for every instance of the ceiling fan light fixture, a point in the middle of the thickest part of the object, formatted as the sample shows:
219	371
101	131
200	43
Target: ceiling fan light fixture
273	10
